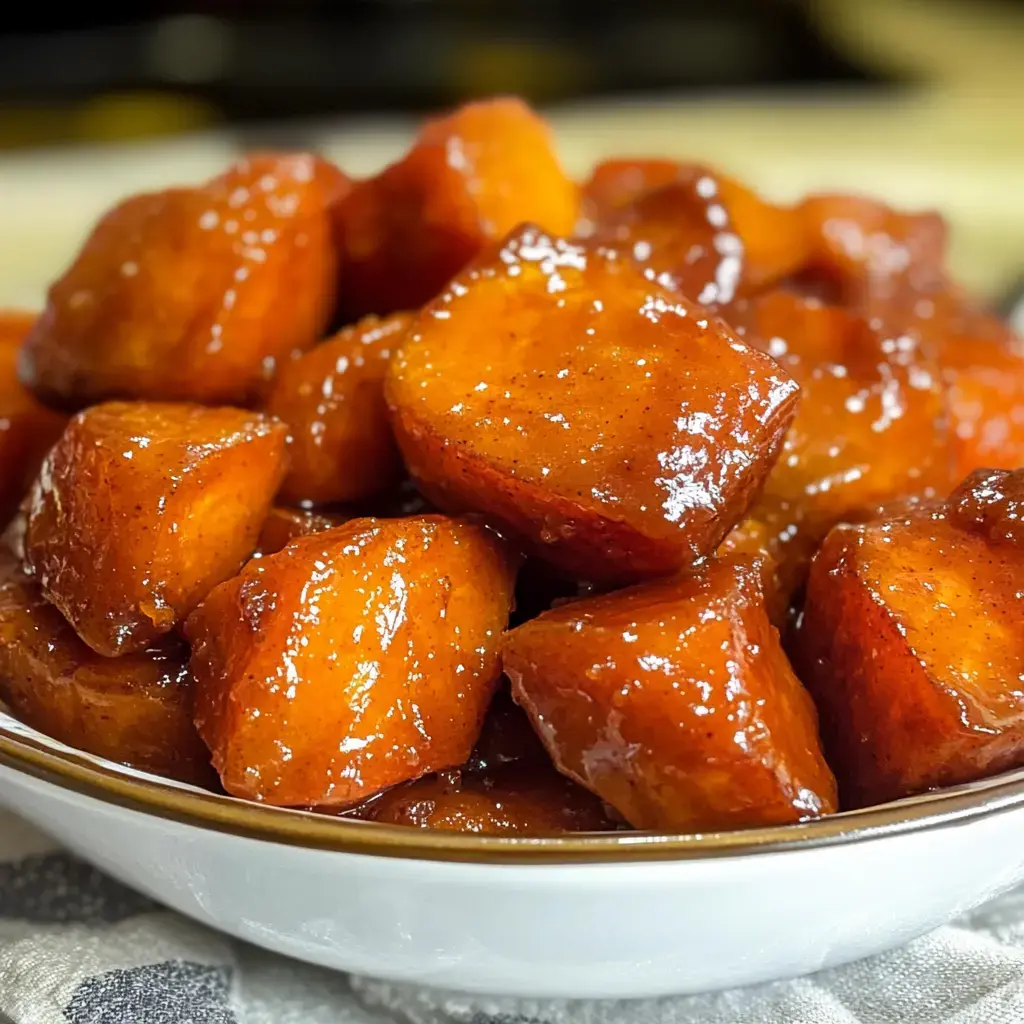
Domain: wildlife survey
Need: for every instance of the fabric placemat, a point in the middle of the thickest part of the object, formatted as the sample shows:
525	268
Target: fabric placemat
76	947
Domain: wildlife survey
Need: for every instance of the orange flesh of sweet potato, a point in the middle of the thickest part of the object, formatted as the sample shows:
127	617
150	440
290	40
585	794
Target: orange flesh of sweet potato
142	508
910	642
27	428
468	179
194	293
513	800
674	703
714	236
136	710
352	660
332	399
619	429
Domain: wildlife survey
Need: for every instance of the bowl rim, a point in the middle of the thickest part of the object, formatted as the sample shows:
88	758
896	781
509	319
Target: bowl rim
149	794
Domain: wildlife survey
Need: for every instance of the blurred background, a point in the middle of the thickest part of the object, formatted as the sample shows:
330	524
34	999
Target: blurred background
920	100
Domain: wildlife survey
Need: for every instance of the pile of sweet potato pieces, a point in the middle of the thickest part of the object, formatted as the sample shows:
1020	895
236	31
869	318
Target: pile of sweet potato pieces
471	497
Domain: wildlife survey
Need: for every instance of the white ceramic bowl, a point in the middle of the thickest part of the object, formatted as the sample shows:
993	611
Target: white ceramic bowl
621	915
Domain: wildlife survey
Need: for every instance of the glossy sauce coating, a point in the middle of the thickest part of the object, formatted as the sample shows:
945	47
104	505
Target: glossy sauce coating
911	644
713	235
353	660
871	427
674	702
618	428
136	710
142	508
468	179
193	293
283	525
27	428
332	399
513	800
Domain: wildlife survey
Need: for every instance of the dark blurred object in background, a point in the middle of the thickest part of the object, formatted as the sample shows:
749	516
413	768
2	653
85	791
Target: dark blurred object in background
81	72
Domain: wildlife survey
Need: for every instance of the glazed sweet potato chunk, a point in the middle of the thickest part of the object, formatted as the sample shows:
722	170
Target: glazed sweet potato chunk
333	402
136	710
618	428
714	236
469	178
194	293
142	508
911	643
982	366
283	525
508	801
674	703
871	426
353	660
27	428
869	250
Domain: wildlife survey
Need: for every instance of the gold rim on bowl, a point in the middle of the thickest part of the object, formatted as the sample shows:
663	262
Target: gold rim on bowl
151	795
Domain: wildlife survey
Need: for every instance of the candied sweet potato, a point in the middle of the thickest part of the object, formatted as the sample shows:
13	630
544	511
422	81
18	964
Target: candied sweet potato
710	233
982	365
618	428
509	801
283	525
911	644
194	293
136	710
469	178
142	508
674	703
332	399
869	250
27	428
353	660
991	502
871	427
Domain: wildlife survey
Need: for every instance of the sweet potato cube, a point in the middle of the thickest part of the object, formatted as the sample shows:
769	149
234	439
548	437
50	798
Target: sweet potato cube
195	293
514	800
136	710
353	660
674	703
27	428
142	508
618	428
871	426
333	402
713	235
982	364
868	249
469	178
283	525
911	642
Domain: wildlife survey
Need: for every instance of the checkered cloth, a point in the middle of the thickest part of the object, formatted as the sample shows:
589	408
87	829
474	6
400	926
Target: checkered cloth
77	947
